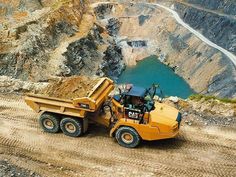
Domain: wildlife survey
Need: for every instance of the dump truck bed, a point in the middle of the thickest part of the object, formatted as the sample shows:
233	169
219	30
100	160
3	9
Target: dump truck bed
70	87
76	106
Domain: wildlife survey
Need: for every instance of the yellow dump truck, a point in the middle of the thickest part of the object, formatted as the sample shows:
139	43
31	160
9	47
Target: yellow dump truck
132	115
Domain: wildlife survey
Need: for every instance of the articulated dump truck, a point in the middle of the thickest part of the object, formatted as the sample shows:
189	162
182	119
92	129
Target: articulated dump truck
132	115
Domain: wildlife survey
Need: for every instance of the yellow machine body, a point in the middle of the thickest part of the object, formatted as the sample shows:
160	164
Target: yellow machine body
160	123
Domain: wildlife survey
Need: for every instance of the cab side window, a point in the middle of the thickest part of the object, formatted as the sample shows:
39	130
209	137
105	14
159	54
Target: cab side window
127	101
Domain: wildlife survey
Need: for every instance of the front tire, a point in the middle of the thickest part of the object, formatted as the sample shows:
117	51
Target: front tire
127	137
49	122
71	127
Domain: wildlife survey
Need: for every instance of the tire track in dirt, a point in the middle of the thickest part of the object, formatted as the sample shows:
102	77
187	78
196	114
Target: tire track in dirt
195	152
15	143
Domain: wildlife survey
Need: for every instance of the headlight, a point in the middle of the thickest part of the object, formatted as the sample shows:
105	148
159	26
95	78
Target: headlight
175	128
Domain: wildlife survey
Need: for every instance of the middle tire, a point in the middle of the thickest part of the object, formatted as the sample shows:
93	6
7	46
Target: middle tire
71	127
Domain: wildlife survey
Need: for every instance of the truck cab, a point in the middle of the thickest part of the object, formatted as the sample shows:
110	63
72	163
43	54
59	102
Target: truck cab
136	109
134	104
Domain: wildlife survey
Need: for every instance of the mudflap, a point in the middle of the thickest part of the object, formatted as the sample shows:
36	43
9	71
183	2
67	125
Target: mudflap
85	124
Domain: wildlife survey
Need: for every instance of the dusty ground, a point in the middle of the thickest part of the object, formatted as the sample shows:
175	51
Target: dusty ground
197	151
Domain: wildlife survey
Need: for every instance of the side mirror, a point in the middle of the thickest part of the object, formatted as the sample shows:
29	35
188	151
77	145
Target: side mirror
158	91
152	90
155	85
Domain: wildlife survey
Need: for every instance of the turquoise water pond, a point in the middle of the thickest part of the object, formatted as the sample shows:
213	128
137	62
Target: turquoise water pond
151	70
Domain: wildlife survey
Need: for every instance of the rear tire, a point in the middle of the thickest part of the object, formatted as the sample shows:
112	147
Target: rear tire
71	127
127	137
49	122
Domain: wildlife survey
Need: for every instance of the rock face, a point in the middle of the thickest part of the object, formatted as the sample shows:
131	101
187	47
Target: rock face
19	7
113	26
102	10
82	55
224	83
226	6
50	42
85	57
215	21
112	64
44	39
30	58
218	28
137	44
145	30
27	44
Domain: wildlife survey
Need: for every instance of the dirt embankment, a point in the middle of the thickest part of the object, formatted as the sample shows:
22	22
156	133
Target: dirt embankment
206	111
199	150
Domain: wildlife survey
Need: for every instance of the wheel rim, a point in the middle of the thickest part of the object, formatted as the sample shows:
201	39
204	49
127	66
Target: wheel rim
70	127
47	123
127	138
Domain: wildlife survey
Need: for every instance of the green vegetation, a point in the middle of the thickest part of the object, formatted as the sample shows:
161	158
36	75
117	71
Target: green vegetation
198	97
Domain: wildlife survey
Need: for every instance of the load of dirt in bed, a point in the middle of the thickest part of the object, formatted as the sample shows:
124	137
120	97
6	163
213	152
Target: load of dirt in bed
70	88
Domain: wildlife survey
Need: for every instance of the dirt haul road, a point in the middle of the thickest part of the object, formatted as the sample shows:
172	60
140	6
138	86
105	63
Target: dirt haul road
197	151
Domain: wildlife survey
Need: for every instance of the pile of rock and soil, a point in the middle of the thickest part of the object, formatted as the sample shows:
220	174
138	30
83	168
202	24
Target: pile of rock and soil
61	87
205	111
12	85
70	87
